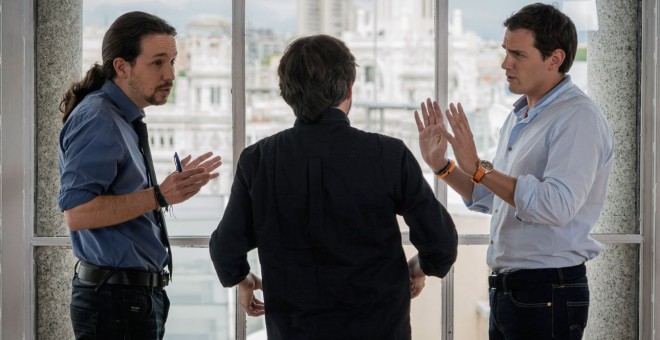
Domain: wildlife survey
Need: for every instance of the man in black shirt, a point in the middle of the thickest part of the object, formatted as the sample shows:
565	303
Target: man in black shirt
320	202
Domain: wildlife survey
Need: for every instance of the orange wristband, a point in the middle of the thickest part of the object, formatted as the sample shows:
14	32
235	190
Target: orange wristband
446	171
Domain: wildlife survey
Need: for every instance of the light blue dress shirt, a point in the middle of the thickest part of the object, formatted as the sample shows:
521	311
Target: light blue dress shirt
561	153
99	155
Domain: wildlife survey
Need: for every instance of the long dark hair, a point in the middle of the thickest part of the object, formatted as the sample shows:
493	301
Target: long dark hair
315	74
552	30
122	40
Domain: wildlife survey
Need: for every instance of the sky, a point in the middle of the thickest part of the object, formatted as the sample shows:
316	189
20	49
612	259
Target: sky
484	17
277	14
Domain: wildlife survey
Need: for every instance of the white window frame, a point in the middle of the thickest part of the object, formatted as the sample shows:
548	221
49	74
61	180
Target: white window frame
17	199
649	205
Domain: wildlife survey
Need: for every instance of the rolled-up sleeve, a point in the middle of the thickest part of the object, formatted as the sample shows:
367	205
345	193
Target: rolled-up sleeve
574	158
89	152
482	200
432	230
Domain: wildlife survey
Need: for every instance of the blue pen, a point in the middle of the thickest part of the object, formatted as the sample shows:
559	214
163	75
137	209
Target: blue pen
177	163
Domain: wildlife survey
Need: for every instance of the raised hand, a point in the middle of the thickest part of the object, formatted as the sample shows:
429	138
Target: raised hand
180	186
432	140
204	161
462	140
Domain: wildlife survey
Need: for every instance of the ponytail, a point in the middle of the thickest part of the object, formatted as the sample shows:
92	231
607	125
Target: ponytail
94	79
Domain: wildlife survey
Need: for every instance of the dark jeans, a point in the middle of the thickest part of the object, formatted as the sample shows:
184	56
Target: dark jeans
539	304
118	312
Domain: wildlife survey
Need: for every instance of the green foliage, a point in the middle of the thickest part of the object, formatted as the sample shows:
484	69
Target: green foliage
581	54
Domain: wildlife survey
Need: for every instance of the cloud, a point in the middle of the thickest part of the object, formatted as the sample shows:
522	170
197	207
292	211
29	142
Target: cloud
279	15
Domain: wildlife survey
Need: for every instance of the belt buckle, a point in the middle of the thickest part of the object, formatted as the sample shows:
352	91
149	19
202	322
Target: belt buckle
492	280
164	279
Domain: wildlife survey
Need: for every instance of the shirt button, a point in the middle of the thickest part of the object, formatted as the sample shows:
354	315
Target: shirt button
509	149
497	210
491	241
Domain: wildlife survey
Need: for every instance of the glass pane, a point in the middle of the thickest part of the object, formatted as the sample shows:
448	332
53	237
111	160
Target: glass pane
200	308
426	309
471	310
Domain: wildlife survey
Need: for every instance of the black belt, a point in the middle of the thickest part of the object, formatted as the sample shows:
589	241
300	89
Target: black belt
90	274
526	279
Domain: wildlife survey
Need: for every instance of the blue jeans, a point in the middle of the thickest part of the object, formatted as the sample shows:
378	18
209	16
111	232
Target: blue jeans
539	304
118	312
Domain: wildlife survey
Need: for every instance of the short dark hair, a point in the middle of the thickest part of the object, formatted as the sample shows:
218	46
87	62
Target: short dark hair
552	29
122	40
315	74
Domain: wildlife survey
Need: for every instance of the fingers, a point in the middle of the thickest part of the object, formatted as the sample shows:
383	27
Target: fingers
255	307
454	119
185	160
425	114
431	114
460	119
180	186
257	281
204	161
420	125
414	292
212	164
438	113
197	161
431	111
416	286
251	305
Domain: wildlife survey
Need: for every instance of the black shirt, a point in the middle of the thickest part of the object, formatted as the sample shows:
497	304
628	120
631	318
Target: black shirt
319	201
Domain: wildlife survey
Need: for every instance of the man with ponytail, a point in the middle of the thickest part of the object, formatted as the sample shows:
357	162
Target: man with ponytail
109	194
320	202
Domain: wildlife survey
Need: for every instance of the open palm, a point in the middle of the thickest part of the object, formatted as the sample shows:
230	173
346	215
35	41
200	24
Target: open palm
432	141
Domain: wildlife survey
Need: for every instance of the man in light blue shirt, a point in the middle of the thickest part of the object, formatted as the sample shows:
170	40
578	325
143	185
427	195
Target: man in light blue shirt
546	186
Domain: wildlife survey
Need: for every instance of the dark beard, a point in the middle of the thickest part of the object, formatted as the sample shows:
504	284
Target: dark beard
151	99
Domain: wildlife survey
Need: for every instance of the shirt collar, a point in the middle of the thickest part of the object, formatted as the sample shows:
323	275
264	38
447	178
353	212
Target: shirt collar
128	110
549	97
332	114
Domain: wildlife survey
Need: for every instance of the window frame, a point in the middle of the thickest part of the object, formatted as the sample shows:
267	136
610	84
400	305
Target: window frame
17	161
649	176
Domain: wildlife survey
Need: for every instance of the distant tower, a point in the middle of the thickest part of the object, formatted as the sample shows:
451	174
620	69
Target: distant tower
457	22
325	16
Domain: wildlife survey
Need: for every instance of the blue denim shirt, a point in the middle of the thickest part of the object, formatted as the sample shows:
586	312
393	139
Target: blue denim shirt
561	153
99	155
